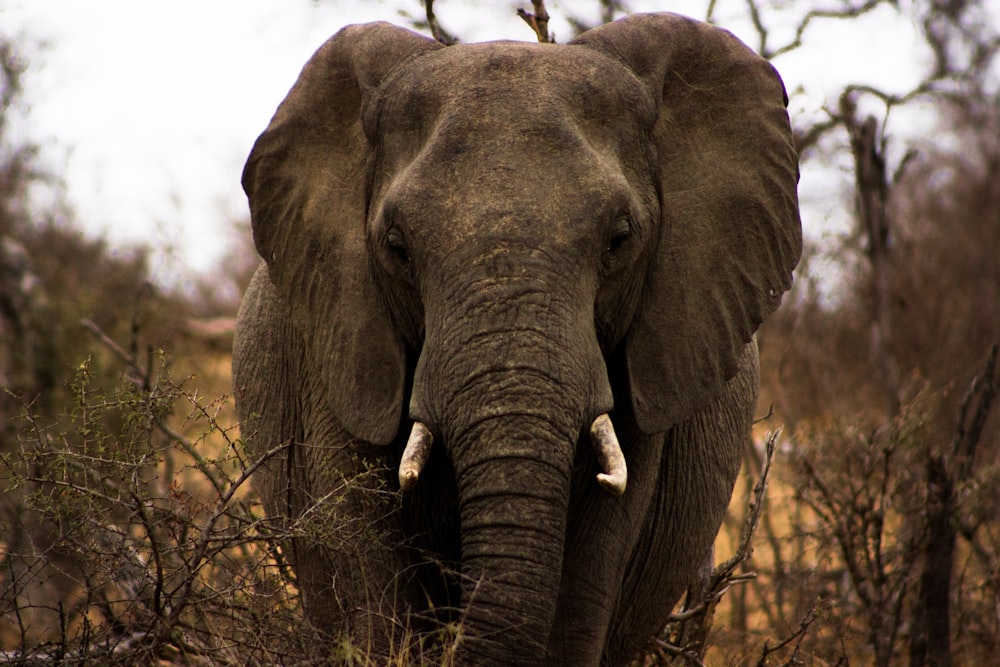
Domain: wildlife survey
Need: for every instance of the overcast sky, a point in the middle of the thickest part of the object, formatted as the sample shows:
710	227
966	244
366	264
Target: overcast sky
148	109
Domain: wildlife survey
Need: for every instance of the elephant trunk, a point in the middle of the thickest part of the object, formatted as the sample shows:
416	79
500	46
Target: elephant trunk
509	386
511	432
513	510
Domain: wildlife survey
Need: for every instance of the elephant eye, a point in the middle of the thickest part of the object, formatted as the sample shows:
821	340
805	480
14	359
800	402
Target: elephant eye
619	236
616	245
396	245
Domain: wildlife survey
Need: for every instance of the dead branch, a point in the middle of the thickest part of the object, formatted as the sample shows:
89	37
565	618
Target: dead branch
967	436
796	638
538	21
930	641
868	145
695	620
765	417
745	547
849	12
440	34
665	650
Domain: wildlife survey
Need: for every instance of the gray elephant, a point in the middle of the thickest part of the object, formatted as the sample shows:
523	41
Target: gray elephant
491	273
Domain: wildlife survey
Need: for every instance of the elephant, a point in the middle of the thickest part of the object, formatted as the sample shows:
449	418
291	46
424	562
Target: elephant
501	347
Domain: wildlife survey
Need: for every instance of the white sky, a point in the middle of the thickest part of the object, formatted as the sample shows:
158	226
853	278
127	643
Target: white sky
148	109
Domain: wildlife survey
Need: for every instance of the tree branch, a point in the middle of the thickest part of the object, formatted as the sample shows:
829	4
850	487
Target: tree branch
440	34
538	21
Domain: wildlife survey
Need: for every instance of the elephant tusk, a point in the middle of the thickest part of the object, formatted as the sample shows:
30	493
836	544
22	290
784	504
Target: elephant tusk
609	454
418	448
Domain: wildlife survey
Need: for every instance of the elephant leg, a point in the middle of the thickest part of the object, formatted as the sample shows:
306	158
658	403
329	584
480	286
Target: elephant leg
601	536
700	462
325	493
351	569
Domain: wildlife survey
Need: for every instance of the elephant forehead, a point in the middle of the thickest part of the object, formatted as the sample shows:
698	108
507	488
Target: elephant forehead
505	119
512	139
510	90
516	188
488	68
540	170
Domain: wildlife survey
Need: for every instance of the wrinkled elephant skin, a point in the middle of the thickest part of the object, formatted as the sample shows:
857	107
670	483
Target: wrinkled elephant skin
505	326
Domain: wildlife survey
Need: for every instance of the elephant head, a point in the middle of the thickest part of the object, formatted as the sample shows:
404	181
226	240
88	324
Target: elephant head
470	237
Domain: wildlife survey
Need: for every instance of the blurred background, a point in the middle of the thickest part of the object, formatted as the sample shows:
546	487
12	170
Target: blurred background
127	528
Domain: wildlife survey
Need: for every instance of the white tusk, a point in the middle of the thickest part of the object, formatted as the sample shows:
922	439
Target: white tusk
418	448
609	455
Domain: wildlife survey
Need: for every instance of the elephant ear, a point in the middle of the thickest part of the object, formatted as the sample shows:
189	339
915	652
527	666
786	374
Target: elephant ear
305	180
729	231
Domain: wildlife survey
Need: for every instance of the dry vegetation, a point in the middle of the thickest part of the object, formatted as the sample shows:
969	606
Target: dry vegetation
128	534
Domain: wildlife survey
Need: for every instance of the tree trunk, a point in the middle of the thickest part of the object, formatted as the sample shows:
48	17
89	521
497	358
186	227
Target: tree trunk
930	643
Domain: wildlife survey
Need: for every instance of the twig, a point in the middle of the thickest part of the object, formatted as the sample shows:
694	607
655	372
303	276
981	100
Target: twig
142	380
744	549
701	608
967	436
677	651
440	34
109	343
764	418
796	637
710	12
539	21
763	34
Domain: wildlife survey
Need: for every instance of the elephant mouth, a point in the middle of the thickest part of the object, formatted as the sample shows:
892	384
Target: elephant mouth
613	476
